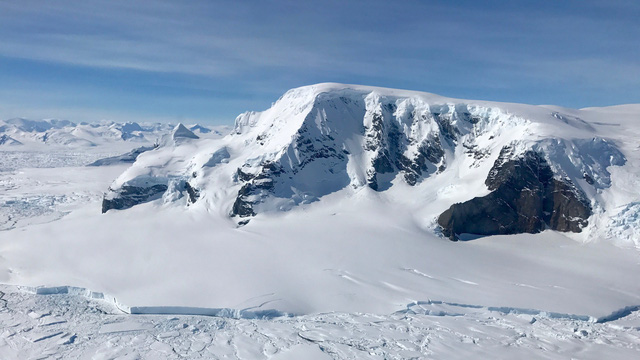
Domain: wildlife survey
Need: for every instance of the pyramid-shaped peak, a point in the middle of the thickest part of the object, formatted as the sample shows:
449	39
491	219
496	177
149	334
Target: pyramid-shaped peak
181	131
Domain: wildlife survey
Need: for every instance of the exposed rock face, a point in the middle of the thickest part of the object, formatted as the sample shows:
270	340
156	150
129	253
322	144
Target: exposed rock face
254	188
525	198
8	140
398	137
406	139
193	193
142	190
129	196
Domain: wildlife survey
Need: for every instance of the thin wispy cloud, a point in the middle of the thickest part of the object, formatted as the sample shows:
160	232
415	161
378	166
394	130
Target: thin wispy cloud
167	53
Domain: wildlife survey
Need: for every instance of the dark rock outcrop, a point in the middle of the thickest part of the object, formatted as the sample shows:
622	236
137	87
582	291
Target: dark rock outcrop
525	198
429	152
255	187
310	148
389	143
193	193
128	196
8	140
376	142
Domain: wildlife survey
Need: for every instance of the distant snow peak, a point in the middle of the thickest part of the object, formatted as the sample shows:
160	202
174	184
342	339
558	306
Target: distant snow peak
130	130
66	134
180	134
199	128
38	125
180	131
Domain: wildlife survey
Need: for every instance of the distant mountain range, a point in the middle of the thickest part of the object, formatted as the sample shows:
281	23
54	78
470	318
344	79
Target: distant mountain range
21	132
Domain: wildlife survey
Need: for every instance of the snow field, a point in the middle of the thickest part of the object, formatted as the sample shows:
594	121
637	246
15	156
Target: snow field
39	195
75	327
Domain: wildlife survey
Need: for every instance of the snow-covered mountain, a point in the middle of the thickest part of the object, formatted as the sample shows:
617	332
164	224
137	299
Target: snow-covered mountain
463	167
67	134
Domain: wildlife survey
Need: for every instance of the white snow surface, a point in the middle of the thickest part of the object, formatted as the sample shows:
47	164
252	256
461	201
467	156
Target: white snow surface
325	249
71	326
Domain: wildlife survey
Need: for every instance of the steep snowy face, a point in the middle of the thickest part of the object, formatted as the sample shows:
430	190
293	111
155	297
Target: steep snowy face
326	138
314	142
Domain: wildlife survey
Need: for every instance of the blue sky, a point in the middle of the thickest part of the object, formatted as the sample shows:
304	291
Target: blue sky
208	61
